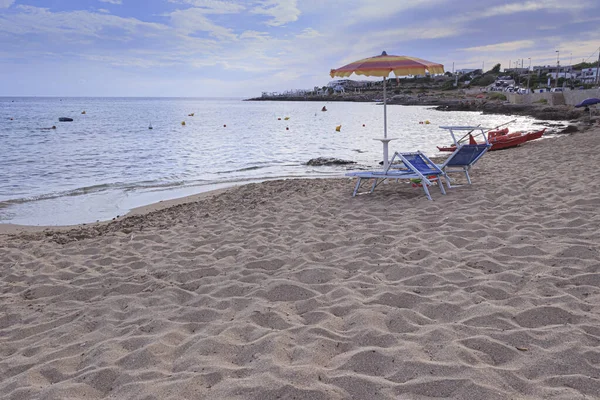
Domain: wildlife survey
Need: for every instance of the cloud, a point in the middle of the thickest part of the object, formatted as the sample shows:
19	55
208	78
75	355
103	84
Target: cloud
389	40
112	1
527	6
6	3
255	35
194	20
71	23
213	6
365	11
506	46
308	33
281	11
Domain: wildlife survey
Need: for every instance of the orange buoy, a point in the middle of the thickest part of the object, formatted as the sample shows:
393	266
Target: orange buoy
182	123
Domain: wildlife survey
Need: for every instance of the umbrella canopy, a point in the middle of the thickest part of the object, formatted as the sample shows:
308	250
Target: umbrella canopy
588	102
382	66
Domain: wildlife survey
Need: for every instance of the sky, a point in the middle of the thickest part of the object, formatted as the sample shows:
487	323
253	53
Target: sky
220	48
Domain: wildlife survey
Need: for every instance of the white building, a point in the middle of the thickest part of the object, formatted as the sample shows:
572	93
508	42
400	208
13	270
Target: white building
562	71
589	75
349	83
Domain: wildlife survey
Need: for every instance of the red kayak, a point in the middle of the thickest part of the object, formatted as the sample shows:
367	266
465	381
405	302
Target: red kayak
502	140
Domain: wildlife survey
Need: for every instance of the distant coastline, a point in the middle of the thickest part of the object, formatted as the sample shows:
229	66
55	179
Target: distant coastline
444	101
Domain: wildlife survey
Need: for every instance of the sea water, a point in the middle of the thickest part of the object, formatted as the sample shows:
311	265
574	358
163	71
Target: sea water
107	161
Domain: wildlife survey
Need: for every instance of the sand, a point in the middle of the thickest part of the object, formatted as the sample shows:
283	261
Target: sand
295	290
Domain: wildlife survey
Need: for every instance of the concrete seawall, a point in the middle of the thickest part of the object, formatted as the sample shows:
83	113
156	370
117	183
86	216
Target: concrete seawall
569	97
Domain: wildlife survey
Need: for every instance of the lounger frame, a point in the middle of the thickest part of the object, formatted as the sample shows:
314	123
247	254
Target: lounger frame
462	159
405	169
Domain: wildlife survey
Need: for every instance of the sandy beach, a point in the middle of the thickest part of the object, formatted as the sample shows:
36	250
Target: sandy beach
295	290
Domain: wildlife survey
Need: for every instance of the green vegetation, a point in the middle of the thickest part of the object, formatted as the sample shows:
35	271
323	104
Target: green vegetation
534	81
448	85
495	70
483	80
541	101
496	96
586	65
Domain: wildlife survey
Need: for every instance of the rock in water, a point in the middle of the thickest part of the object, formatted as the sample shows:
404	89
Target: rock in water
328	161
570	129
65	119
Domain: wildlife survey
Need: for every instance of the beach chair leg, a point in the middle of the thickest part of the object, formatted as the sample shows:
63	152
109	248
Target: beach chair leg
374	185
448	181
441	184
467	175
447	178
426	191
356	187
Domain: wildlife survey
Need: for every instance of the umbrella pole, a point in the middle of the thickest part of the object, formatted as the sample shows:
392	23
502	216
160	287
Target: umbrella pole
385	142
384	110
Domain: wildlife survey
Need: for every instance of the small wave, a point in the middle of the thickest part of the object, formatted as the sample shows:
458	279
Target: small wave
94	189
47	196
150	185
241	170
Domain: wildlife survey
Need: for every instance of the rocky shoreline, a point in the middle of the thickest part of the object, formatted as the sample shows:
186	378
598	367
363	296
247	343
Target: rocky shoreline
448	102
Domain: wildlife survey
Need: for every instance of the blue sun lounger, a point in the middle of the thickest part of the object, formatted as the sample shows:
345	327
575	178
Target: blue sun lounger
467	152
409	166
462	159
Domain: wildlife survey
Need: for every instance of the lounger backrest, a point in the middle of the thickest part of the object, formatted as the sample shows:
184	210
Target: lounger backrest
466	155
420	162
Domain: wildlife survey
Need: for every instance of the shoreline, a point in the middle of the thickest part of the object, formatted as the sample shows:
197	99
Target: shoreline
449	102
14	229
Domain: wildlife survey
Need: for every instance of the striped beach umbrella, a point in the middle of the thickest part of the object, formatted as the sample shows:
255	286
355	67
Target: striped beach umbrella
383	66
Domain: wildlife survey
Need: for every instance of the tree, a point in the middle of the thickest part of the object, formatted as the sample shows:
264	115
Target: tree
484	80
583	65
534	81
496	69
448	85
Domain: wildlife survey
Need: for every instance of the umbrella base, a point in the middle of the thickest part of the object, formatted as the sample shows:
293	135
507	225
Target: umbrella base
385	142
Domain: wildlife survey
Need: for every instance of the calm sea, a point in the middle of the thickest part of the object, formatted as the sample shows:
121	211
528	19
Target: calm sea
107	161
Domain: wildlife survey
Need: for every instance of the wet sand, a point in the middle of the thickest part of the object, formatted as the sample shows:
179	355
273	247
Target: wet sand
294	289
